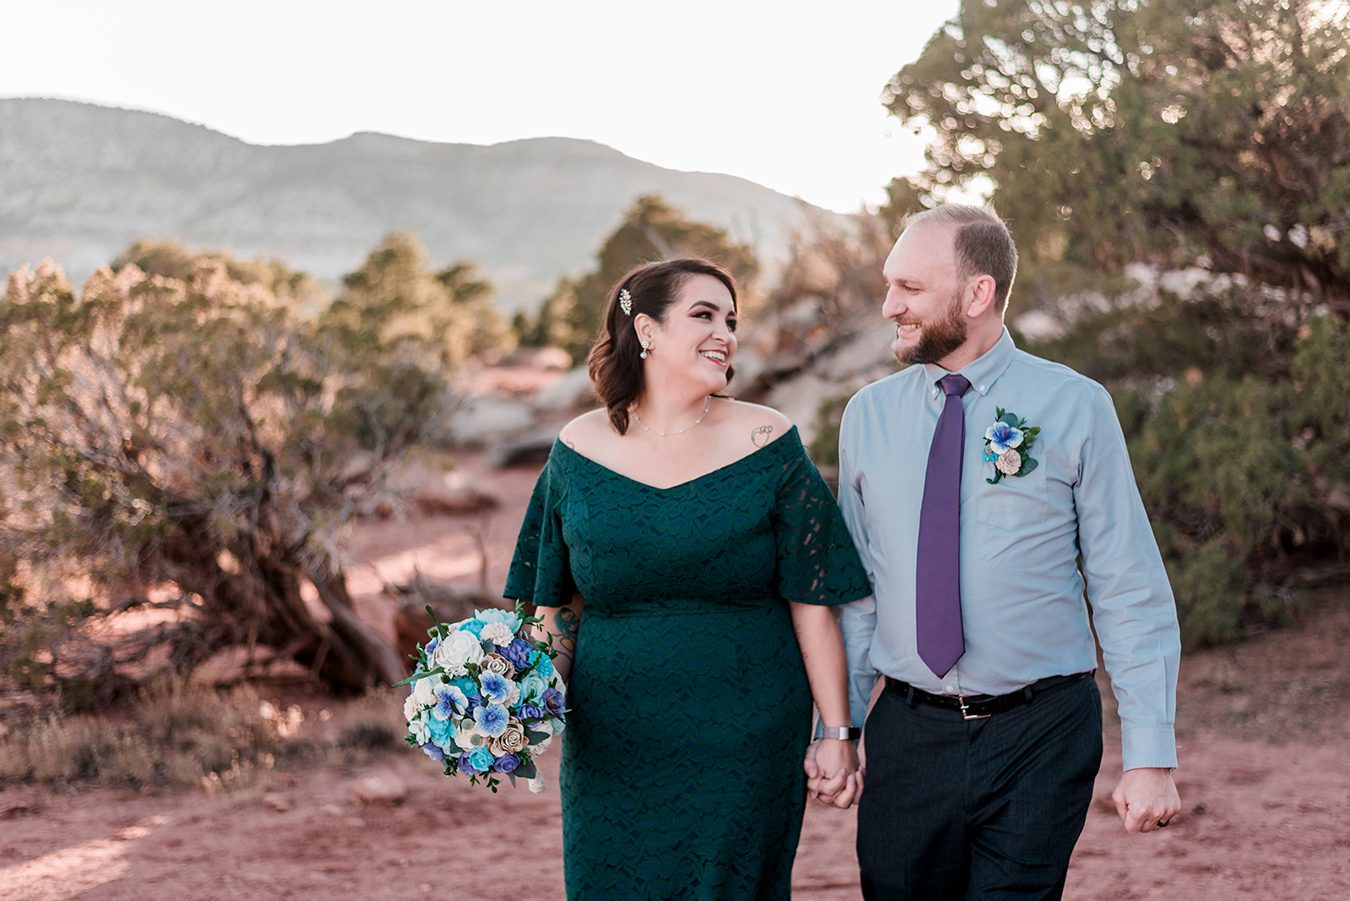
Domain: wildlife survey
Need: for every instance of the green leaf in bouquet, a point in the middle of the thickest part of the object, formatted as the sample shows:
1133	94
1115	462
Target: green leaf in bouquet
418	676
534	737
1011	419
527	769
439	629
1028	465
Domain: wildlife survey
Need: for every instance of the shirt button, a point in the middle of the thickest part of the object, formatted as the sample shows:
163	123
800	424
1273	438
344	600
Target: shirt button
984	388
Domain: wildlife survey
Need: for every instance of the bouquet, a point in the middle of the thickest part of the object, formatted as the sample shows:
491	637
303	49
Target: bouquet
485	700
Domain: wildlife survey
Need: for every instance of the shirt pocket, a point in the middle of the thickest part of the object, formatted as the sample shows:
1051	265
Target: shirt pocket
1015	502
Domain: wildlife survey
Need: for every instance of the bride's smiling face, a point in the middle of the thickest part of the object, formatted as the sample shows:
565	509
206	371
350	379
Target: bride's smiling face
697	340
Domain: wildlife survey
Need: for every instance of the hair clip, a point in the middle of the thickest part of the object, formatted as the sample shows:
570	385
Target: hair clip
625	302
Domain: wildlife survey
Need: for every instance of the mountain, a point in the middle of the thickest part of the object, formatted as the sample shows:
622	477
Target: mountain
79	182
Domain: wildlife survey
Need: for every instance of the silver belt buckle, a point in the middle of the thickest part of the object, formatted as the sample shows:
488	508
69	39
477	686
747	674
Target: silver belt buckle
965	711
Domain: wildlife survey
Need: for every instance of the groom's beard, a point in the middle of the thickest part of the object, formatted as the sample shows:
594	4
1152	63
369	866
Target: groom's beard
937	340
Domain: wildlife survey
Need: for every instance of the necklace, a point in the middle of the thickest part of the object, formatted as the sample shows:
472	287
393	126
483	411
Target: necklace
707	402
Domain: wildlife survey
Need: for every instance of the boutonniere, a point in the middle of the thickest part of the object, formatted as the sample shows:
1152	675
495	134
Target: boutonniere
1007	444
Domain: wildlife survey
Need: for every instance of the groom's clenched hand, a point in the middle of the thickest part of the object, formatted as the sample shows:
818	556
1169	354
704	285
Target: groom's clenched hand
1146	799
833	775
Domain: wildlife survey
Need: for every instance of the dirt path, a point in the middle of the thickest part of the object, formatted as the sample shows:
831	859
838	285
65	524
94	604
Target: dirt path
1265	782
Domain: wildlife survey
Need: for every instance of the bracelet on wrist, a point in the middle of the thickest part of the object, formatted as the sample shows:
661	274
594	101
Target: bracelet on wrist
841	733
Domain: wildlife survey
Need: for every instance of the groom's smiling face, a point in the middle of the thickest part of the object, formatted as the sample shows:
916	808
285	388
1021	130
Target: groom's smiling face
924	295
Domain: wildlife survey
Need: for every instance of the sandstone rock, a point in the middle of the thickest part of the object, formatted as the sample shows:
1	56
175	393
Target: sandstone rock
384	788
538	358
436	501
278	802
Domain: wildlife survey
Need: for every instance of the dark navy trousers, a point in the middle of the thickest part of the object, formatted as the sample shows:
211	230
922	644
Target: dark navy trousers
980	809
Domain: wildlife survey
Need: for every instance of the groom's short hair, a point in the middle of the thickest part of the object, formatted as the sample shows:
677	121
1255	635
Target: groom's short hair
984	246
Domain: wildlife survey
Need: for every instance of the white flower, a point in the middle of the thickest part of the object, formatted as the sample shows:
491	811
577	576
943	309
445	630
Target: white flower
455	651
467	738
424	691
497	633
410	708
418	730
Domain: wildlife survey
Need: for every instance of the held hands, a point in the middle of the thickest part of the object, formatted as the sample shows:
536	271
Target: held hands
833	775
1146	799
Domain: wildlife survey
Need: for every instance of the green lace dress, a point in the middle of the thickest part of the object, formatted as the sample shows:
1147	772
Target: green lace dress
690	710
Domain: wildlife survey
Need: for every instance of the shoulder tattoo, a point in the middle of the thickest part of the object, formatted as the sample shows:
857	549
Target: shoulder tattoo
760	436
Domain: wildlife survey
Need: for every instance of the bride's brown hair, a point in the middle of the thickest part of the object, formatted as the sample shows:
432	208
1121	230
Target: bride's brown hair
615	364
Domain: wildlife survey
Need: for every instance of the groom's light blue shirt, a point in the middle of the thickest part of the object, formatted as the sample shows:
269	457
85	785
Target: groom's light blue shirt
1024	597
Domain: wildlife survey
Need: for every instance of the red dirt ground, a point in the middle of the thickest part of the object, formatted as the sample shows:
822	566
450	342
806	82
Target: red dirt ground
1264	779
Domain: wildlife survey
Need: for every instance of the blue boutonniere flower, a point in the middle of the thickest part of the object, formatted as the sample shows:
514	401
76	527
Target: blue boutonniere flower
1007	444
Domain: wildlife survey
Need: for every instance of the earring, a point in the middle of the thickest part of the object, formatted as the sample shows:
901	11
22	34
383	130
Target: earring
646	348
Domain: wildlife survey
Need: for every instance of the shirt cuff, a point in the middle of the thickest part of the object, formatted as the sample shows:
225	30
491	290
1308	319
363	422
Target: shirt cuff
1148	746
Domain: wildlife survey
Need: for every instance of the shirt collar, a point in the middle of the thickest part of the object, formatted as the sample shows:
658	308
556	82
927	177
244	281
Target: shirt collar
983	371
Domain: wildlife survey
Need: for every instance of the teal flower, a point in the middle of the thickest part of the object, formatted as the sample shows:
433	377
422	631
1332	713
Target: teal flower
542	663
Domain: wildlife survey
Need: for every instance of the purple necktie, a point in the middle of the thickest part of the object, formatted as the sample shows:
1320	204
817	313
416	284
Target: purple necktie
937	598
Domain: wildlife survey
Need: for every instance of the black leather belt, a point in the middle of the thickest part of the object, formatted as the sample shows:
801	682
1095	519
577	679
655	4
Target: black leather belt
978	707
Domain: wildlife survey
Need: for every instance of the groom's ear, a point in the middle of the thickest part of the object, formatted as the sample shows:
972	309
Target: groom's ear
979	296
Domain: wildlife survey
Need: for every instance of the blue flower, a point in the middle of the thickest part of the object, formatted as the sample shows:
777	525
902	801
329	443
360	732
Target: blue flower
497	688
518	652
554	701
491	720
531	712
450	701
431	647
434	753
543	664
465	763
1003	437
472	626
507	763
988	456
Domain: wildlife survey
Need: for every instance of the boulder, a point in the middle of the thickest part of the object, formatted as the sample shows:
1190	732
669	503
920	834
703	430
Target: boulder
486	418
571	392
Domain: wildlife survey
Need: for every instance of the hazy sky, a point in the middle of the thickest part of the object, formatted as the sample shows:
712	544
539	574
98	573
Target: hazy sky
782	94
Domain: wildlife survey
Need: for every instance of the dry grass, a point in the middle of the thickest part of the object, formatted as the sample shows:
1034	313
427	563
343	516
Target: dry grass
179	736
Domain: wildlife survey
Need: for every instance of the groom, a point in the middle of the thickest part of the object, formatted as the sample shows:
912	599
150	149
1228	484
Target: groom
991	498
